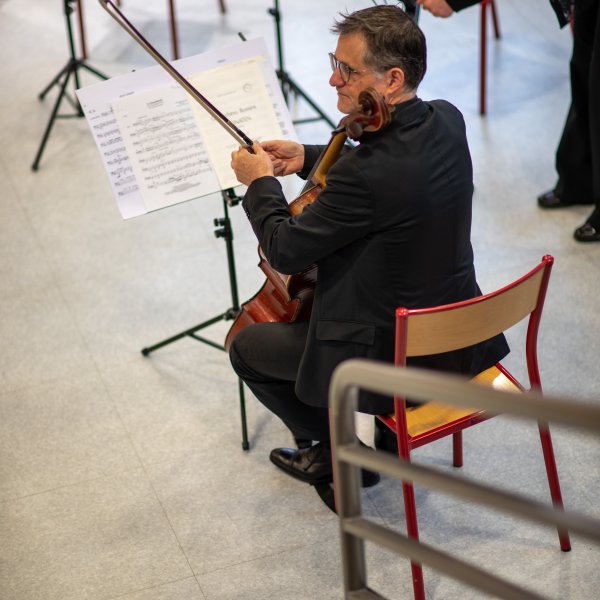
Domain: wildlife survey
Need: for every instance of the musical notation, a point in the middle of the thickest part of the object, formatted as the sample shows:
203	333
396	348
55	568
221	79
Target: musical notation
153	149
167	152
240	91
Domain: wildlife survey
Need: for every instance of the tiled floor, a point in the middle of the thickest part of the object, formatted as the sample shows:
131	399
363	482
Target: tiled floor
123	476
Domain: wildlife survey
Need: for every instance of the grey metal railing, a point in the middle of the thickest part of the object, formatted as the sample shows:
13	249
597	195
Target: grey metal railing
447	389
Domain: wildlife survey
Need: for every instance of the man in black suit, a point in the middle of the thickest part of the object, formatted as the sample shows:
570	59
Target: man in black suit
391	228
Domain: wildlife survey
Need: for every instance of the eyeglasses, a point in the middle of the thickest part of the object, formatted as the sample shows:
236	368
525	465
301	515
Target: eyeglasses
345	70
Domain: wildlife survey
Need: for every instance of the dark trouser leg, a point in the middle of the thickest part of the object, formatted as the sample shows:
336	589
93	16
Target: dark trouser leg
594	102
578	153
266	356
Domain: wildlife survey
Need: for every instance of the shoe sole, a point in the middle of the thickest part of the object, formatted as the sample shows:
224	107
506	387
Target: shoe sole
300	476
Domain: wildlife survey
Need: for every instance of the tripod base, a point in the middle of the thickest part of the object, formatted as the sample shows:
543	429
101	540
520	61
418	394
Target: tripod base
71	69
227	315
223	230
192	332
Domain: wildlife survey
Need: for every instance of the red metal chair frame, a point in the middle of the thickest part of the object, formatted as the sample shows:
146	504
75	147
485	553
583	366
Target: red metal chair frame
537	282
485	5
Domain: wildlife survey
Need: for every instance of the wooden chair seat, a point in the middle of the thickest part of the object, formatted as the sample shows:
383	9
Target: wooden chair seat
431	416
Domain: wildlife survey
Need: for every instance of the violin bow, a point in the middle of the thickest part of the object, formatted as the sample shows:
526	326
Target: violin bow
126	24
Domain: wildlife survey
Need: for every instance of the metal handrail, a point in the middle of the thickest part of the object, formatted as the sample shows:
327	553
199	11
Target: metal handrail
423	385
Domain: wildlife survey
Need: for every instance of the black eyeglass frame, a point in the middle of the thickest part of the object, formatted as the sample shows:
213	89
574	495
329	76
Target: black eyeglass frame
346	71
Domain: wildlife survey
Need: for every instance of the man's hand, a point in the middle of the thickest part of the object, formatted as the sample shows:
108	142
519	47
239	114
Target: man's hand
287	157
249	167
438	8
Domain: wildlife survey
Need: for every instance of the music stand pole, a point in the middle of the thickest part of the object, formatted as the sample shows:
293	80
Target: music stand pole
223	230
70	69
287	83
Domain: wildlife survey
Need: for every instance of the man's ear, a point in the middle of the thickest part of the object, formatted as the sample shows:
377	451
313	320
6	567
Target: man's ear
395	81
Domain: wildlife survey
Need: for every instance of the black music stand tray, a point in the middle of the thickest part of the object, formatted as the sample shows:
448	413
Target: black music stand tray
71	68
225	231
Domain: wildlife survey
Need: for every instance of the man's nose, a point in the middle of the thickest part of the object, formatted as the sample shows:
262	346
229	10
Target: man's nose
336	79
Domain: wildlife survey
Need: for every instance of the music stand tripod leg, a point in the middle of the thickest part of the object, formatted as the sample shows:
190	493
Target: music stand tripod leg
70	69
225	231
65	70
61	93
296	90
99	74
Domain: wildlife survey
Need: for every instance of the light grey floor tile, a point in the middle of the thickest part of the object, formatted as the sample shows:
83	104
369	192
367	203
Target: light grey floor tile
94	540
184	589
283	575
41	341
59	434
183	399
238	526
23	267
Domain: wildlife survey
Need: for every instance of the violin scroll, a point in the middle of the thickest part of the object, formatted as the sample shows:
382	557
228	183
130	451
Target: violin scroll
373	114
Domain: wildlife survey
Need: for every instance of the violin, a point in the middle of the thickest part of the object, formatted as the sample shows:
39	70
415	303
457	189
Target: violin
288	298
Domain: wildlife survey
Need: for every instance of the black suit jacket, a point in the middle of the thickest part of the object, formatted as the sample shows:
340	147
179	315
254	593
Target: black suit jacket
391	228
562	8
457	5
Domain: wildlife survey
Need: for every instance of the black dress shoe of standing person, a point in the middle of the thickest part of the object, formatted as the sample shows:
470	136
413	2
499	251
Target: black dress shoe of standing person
587	233
551	200
313	465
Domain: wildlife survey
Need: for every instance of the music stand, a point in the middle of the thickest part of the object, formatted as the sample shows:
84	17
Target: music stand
223	230
288	85
70	69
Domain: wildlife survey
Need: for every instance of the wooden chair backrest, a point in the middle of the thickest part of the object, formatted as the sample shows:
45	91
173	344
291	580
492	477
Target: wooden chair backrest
453	326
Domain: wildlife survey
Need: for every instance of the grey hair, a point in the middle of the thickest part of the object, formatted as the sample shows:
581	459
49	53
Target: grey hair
393	40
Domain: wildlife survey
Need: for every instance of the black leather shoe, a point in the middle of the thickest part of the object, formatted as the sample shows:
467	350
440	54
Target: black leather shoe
587	233
313	465
551	200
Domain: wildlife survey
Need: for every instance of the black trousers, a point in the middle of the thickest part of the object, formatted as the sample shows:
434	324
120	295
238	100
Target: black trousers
266	356
578	153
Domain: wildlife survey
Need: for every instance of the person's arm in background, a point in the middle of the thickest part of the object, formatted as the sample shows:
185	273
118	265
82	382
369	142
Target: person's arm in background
445	8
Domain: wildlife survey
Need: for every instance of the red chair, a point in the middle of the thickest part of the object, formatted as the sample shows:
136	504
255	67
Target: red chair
485	6
421	332
172	21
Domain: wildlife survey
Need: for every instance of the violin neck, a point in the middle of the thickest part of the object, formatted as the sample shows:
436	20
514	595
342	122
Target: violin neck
329	155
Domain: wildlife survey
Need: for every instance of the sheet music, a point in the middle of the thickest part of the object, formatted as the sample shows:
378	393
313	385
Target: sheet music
106	132
238	89
121	163
166	150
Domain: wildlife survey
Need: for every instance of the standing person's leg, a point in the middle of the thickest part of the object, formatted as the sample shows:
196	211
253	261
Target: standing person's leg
573	156
590	230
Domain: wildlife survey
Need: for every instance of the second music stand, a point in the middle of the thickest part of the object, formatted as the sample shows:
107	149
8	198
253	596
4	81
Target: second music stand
288	85
70	69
